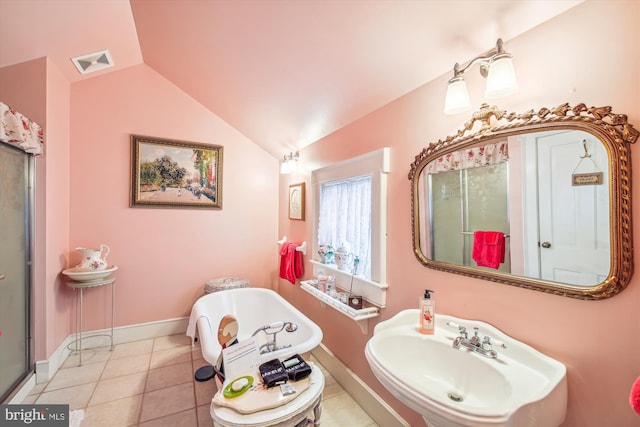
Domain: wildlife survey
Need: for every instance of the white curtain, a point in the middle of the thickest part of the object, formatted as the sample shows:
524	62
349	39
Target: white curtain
345	218
19	131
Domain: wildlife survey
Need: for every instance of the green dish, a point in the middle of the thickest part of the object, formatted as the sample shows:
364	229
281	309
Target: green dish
229	393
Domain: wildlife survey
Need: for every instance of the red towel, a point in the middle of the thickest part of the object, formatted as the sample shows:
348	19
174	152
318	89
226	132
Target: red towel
634	396
291	262
488	248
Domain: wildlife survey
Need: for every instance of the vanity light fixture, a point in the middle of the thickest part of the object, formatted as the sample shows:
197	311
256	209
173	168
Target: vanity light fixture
496	66
289	163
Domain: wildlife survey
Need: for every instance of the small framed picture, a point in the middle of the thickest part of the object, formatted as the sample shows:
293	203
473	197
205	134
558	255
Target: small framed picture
296	201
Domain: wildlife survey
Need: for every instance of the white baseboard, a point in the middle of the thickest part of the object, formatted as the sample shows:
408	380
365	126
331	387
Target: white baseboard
46	369
374	406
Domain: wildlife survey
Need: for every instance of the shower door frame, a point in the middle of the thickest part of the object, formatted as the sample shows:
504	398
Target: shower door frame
29	221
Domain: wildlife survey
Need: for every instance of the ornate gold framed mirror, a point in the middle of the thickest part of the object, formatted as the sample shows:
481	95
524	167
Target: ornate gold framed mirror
539	200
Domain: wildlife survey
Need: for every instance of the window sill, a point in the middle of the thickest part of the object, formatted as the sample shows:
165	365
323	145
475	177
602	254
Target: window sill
360	316
373	292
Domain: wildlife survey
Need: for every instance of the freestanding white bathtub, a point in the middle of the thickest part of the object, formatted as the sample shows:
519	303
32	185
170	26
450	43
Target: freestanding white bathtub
253	308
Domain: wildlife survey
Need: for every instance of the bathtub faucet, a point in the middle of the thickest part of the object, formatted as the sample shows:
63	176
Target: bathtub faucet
273	329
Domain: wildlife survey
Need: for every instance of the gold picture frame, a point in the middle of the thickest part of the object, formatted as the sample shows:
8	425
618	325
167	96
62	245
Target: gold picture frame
296	201
168	173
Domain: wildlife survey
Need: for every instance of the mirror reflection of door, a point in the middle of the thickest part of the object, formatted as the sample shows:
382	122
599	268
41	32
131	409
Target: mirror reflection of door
572	244
464	201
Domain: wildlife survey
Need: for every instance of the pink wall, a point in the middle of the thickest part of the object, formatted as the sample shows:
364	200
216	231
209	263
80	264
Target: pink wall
23	87
164	256
561	61
59	298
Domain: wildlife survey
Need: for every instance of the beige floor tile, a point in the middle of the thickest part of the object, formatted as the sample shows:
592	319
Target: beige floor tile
181	419
331	386
38	388
163	343
127	365
170	356
75	376
76	396
167	401
198	362
205	391
132	348
88	356
30	399
196	351
204	416
118	387
342	410
169	375
118	413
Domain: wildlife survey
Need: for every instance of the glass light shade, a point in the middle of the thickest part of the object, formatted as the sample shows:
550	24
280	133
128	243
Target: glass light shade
284	167
501	80
457	100
289	163
292	164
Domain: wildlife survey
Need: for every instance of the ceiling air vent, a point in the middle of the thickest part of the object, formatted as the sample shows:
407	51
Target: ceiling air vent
93	61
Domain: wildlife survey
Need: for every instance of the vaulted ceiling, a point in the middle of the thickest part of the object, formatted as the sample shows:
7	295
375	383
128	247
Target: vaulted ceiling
284	73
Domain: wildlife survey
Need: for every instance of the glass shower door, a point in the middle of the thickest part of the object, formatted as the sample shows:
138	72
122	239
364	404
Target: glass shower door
460	205
487	210
14	268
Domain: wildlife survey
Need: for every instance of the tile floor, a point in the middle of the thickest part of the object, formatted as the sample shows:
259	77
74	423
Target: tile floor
150	383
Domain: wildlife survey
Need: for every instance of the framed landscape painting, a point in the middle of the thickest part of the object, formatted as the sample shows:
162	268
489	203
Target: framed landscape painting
168	173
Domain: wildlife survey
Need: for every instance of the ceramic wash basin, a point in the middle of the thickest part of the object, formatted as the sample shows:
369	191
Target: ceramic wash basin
458	387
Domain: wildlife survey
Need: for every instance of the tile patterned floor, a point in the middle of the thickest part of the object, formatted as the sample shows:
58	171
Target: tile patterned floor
150	383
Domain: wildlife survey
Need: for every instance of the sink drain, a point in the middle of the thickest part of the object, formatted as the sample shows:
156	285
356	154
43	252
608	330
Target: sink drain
455	396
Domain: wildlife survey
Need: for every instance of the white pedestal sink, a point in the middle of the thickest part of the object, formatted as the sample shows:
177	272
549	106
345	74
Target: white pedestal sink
459	387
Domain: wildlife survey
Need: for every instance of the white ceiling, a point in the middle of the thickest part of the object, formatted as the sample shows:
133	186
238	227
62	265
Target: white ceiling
284	73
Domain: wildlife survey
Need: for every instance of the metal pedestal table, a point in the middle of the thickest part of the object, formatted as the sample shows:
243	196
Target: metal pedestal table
81	286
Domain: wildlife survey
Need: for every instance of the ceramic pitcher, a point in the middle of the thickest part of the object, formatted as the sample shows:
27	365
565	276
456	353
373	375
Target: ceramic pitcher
93	259
343	258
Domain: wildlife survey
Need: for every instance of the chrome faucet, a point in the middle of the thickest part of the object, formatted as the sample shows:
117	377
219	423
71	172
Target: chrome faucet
273	329
483	347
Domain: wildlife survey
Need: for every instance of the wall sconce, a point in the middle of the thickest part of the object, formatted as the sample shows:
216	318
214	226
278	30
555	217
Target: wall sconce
289	163
496	66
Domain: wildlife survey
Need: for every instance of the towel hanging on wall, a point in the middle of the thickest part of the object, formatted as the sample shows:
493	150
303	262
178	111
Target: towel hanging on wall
291	262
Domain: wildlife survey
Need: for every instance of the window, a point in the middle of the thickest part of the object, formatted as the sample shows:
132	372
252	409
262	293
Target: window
345	218
350	201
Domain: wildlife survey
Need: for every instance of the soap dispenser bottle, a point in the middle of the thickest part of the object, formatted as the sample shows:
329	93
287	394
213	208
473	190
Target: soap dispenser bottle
427	313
